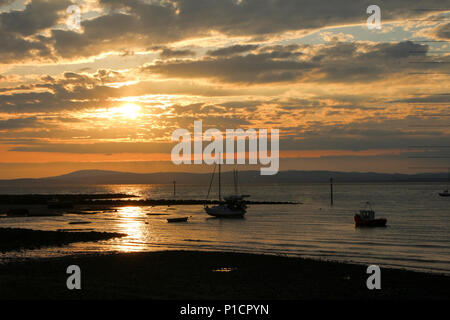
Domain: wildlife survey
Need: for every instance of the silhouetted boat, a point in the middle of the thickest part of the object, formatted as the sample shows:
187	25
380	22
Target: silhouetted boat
446	193
172	220
233	206
366	218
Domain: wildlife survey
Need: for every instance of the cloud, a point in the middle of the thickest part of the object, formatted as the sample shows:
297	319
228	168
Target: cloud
19	123
434	98
70	92
15	48
228	51
335	62
134	24
167	53
38	15
19	30
98	148
443	31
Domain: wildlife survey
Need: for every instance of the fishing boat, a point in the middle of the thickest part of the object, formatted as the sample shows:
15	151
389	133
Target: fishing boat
366	218
445	193
233	206
182	219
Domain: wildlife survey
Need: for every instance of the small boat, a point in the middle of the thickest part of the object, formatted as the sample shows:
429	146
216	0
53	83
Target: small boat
172	220
79	222
366	218
233	206
446	193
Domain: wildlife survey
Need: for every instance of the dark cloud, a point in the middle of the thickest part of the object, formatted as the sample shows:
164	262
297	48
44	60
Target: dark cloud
252	68
353	62
38	15
443	32
98	148
337	62
19	38
15	48
19	123
228	51
170	53
434	98
71	92
135	24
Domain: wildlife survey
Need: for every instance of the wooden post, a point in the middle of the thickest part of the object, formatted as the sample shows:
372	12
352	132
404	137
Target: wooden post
331	190
174	188
220	187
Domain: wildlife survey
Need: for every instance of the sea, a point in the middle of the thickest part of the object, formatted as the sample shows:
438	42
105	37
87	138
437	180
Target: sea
416	237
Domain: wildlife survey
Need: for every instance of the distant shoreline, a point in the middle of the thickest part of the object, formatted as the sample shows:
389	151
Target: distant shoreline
101	177
173	275
112	200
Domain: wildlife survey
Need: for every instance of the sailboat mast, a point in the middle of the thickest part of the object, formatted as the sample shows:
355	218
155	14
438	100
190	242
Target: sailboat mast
448	179
220	194
235	182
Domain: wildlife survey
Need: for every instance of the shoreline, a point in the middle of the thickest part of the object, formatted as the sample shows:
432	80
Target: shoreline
16	239
211	275
70	201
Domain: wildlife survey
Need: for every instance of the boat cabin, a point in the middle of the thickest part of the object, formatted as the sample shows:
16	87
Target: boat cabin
367	214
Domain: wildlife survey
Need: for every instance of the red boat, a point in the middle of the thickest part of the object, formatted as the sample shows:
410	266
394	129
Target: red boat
366	218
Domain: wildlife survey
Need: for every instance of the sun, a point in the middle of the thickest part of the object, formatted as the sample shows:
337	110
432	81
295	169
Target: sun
129	111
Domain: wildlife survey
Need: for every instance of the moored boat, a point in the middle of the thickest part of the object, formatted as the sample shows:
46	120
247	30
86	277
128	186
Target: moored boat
172	220
445	193
233	206
366	218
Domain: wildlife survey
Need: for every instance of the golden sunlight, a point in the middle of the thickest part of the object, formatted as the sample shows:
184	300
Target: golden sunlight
128	110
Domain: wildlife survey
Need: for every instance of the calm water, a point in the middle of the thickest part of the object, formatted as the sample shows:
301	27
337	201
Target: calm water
417	236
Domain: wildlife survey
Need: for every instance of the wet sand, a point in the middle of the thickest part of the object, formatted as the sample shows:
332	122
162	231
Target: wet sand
171	275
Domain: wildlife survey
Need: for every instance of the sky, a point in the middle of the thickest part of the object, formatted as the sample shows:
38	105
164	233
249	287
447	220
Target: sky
108	95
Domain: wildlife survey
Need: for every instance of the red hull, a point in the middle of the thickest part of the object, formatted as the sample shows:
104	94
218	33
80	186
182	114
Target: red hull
369	223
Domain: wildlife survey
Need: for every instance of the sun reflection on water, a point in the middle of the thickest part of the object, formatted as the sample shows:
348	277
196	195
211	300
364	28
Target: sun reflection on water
131	220
142	191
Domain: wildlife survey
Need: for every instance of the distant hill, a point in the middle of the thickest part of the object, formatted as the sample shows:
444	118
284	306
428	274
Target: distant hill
245	177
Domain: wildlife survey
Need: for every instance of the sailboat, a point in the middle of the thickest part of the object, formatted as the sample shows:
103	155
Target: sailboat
446	193
233	206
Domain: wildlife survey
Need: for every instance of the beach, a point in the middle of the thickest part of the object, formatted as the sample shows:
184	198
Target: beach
195	275
416	236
